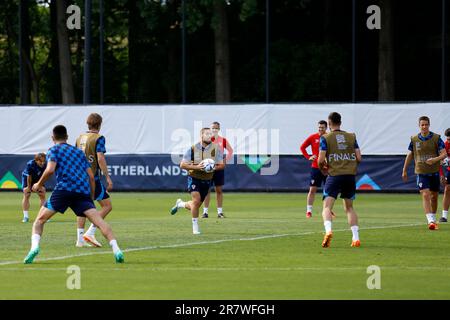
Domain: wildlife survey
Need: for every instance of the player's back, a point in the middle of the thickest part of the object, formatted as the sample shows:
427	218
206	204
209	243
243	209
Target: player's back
71	165
341	155
87	142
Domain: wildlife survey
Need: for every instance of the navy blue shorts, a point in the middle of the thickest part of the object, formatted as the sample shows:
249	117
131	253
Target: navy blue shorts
198	185
447	176
317	178
345	185
429	181
100	191
60	200
218	178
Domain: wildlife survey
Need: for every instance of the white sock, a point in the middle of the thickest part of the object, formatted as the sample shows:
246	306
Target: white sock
431	217
219	210
35	238
80	232
25	214
195	225
205	210
91	230
327	224
115	247
444	213
309	208
182	204
355	233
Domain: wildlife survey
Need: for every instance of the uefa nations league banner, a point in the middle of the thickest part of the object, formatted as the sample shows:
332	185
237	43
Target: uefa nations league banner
262	173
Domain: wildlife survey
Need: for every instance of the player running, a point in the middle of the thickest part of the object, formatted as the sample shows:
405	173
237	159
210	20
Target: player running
219	175
427	149
94	146
317	177
339	155
445	179
30	175
199	181
75	189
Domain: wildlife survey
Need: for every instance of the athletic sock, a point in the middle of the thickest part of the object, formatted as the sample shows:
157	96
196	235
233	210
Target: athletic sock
91	230
431	217
444	213
115	247
35	238
327	224
309	208
219	210
25	214
195	224
205	210
355	233
80	232
182	204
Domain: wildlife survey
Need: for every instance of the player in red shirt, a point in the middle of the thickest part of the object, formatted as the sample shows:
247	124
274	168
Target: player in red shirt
445	179
219	175
317	177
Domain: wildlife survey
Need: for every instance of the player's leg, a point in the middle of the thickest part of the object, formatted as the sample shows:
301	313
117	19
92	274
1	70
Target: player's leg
424	184
89	236
219	197
194	206
426	203
94	216
348	194
445	203
38	228
352	219
434	196
81	223
328	204
206	205
219	181
26	204
192	185
310	200
41	195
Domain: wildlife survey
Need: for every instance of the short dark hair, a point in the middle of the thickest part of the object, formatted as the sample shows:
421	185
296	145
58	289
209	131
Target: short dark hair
323	122
204	129
60	132
335	118
216	123
447	132
38	156
424	118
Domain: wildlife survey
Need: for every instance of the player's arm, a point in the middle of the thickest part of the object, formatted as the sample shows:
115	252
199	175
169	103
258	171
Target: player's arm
322	161
229	151
91	182
408	159
442	156
49	170
358	155
104	167
303	147
188	165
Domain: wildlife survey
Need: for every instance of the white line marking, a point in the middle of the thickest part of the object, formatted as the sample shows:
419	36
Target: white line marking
206	242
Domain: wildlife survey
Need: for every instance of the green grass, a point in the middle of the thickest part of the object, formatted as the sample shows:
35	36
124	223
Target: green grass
171	263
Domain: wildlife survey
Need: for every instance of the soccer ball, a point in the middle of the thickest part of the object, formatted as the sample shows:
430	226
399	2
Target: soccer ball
209	165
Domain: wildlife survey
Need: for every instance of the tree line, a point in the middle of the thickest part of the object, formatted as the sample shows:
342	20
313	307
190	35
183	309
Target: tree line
310	51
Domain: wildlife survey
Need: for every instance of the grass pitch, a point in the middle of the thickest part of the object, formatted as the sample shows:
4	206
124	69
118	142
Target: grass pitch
264	249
